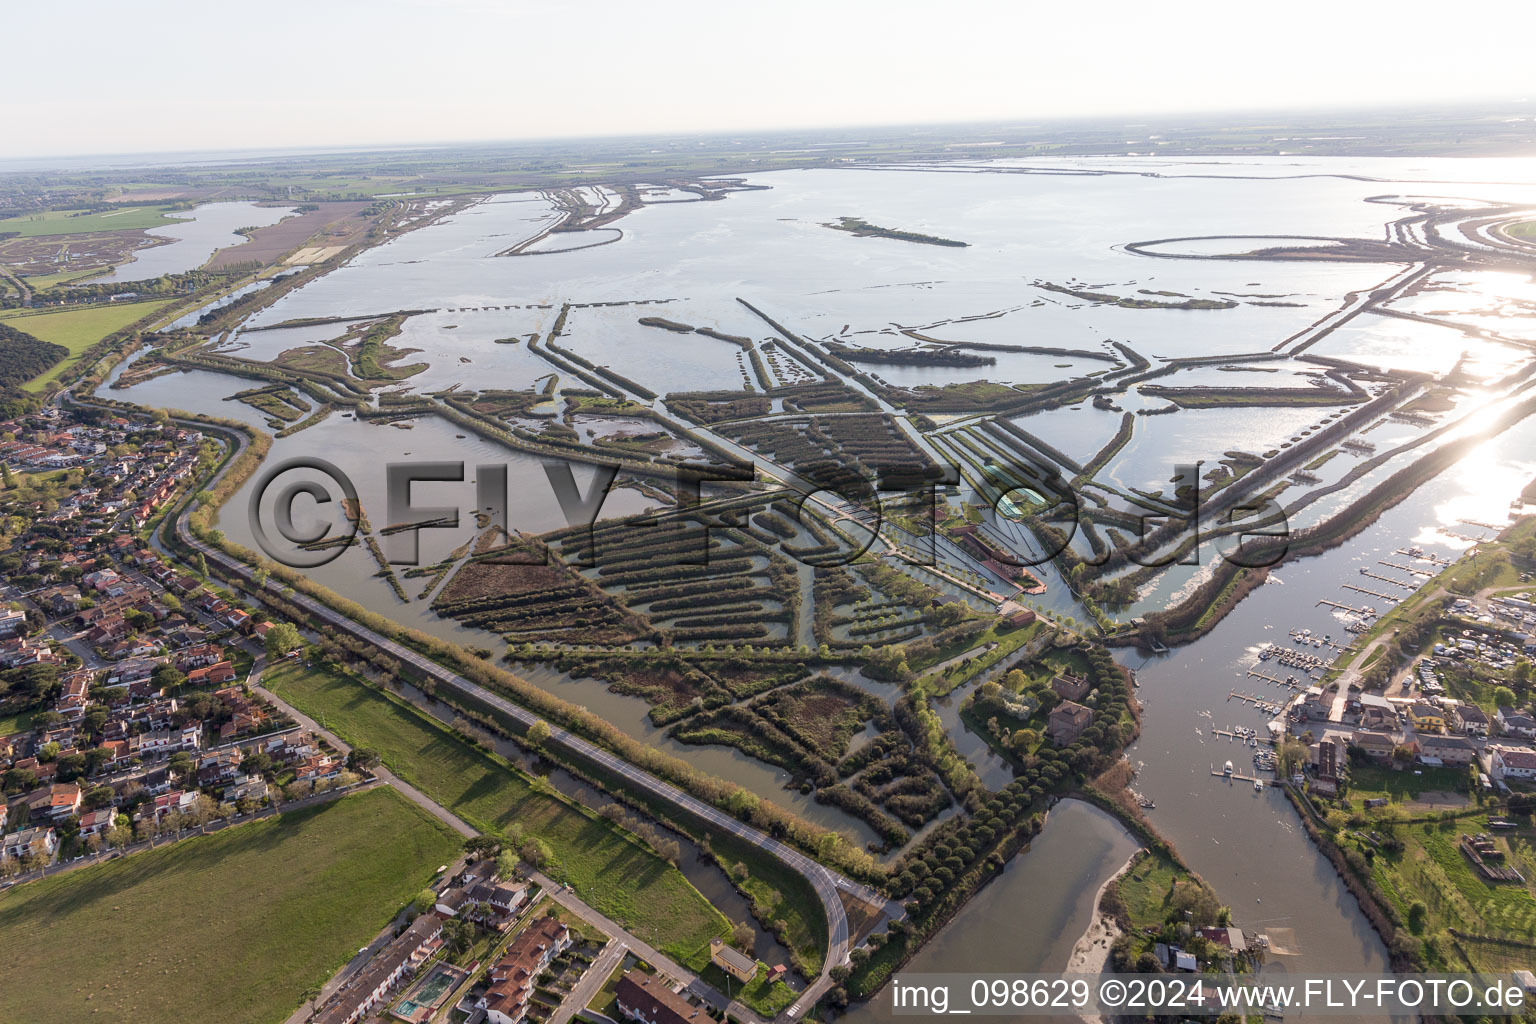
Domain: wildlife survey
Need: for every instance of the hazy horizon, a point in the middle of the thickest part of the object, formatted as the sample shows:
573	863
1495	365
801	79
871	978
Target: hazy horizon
402	73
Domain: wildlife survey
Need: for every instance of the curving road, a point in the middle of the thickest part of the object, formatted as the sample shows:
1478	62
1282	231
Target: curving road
828	884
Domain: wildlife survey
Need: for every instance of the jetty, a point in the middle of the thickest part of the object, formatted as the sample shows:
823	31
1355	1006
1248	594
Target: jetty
1292	684
1482	526
1222	773
1262	703
1423	556
1366	610
1388	579
1389	598
1406	568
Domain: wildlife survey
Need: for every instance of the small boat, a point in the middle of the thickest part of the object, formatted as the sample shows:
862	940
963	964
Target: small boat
1257	785
1228	769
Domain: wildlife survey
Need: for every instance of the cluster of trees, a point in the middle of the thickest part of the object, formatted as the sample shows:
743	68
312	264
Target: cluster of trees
1039	774
23	357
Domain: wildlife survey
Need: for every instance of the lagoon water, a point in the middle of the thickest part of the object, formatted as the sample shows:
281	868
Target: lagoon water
206	229
771	248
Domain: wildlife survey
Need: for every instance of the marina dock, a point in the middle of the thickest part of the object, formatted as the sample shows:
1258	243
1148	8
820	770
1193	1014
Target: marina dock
1389	579
1366	612
1228	734
1254	673
1423	556
1389	598
1406	568
1262	703
1240	777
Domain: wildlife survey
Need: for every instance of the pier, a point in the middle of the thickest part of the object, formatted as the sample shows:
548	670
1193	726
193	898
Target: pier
1254	673
1389	579
1367	612
1262	703
1423	556
1391	599
1239	776
1250	737
1315	640
1406	568
1482	526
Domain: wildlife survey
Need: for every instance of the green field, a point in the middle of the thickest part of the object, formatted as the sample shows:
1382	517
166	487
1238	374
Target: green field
1368	781
17	722
1525	229
39	282
234	927
615	874
780	895
78	329
65	222
1432	870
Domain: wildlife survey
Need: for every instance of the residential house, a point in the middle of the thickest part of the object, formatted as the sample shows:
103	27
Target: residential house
1067	722
131	671
1516	723
503	901
369	986
1071	687
198	656
1506	762
1426	717
1451	750
1378	746
77	690
13	621
54	802
1376	712
246	787
1471	719
30	842
216	674
97	822
513	976
219	767
644	998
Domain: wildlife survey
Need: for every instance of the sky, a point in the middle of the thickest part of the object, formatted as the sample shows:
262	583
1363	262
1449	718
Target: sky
91	76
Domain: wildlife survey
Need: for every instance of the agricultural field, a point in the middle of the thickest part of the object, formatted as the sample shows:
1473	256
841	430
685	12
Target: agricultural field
236	926
611	871
78	222
1459	913
79	329
340	221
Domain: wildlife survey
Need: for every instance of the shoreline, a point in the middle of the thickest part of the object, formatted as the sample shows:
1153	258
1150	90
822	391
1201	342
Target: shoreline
1090	955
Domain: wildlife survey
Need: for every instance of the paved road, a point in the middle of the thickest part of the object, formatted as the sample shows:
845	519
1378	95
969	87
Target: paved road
586	989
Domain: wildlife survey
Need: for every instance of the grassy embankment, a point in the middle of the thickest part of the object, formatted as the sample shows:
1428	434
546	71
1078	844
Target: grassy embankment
612	872
236	926
78	329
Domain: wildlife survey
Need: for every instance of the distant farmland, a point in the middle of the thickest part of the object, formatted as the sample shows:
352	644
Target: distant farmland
233	927
76	222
